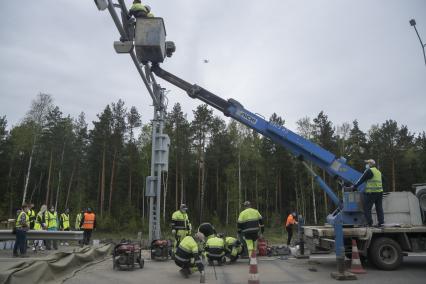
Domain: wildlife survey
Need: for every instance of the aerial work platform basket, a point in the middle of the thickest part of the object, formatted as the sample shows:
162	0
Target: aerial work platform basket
150	40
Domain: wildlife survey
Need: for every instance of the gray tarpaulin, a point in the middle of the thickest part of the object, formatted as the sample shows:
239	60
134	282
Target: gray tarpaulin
53	268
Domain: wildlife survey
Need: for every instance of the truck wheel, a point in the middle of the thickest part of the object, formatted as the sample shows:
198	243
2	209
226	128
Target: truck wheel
385	254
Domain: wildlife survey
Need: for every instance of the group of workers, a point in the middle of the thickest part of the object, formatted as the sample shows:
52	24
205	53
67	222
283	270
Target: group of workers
208	244
49	220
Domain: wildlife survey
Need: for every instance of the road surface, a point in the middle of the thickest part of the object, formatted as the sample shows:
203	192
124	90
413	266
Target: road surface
271	271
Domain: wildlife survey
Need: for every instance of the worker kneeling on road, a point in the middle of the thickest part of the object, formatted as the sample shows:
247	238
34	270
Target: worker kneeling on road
215	250
249	224
187	255
233	247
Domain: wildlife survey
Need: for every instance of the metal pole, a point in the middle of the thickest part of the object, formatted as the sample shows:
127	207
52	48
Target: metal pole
153	157
420	39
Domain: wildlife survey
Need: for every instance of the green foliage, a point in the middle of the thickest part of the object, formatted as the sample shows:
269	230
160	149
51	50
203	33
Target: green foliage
214	165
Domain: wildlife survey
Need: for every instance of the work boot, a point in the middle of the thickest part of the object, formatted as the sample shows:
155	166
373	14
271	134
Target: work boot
184	272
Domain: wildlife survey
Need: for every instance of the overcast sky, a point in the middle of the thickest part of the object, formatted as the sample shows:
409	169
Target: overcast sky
351	59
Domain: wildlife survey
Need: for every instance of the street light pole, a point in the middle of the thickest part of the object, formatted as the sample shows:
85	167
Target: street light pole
413	24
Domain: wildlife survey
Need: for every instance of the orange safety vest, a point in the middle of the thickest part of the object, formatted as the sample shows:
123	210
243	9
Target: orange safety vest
290	220
89	221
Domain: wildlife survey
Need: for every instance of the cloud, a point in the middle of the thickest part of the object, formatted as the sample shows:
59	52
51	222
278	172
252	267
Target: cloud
354	60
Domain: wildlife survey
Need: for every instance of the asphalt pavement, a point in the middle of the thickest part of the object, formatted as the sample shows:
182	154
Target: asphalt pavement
271	270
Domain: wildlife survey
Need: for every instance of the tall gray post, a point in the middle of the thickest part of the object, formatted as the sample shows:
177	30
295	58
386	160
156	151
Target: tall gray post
159	164
160	141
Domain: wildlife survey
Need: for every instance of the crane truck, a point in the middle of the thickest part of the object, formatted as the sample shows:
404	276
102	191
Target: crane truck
145	40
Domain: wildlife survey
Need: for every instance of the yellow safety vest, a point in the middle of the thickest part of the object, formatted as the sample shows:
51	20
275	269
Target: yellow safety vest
215	247
78	221
38	221
138	7
180	221
18	220
51	220
375	183
65	221
249	221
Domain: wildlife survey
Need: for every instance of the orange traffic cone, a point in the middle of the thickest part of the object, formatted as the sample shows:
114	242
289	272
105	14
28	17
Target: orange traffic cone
356	266
253	274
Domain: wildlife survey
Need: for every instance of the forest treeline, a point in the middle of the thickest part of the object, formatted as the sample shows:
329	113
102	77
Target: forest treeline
52	158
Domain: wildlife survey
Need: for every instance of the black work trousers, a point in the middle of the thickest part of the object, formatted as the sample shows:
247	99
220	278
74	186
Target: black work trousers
289	230
20	242
375	198
87	234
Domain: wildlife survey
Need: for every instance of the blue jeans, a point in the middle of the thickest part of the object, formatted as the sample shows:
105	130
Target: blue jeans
375	198
20	242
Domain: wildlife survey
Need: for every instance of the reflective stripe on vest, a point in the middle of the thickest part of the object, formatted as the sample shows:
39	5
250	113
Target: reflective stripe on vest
89	221
18	220
375	183
249	220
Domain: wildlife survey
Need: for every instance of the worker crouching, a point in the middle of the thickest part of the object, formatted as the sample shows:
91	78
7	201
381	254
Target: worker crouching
187	256
233	248
215	250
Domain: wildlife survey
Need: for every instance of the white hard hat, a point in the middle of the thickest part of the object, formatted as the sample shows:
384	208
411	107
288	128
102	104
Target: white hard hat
199	236
370	161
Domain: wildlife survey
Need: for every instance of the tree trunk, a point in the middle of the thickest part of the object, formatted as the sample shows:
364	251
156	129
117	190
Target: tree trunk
10	188
69	186
393	175
130	188
217	188
102	191
239	180
203	184
48	178
227	205
111	183
256	190
59	177
177	184
27	178
36	187
182	190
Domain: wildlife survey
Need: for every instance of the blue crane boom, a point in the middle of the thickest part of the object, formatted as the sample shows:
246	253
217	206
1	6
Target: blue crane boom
302	148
